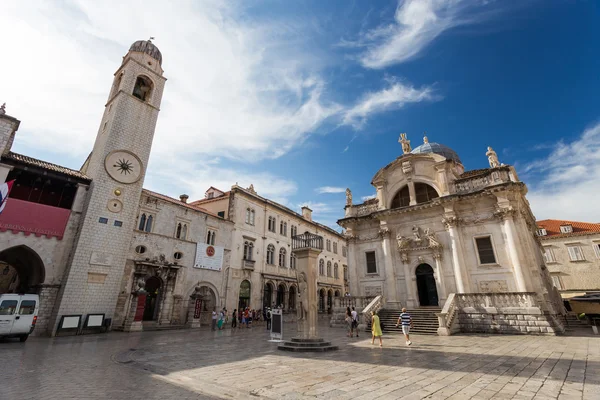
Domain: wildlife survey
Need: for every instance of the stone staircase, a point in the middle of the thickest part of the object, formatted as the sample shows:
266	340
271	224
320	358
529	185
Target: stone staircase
573	322
424	320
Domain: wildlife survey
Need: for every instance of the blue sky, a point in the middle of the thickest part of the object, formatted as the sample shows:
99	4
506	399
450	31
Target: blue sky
306	98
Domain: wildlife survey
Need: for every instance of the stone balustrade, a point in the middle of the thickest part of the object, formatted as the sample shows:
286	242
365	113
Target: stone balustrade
360	210
481	181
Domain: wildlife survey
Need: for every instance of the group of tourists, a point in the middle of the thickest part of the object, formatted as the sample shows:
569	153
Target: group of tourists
245	317
219	319
404	320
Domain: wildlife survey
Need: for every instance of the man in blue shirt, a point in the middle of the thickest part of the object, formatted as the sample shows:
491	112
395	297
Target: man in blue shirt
406	321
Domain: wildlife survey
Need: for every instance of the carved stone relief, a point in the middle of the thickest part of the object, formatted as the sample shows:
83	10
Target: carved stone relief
497	286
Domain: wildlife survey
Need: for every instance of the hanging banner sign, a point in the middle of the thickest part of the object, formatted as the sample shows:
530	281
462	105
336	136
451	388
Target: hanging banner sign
209	256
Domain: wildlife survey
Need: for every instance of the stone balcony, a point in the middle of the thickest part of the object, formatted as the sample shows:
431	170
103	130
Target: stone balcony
248	264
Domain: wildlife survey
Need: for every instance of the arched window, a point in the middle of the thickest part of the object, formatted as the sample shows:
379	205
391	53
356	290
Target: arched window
282	257
328	268
270	254
142	88
294	231
425	193
336	272
178	231
248	246
321	267
251	217
148	224
293	261
142	222
328	242
402	198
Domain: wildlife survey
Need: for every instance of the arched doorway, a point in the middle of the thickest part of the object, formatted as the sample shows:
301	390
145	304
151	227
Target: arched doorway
21	270
280	295
268	295
322	300
329	300
244	298
292	298
426	286
153	287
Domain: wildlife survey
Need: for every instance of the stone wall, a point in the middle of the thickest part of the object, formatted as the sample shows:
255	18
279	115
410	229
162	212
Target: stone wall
513	322
47	295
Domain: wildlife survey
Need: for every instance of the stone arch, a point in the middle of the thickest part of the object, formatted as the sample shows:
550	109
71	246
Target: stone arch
322	299
268	290
200	284
398	186
426	285
281	292
292	294
143	88
24	263
245	294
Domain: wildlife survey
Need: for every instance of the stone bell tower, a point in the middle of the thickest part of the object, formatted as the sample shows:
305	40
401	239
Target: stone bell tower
117	166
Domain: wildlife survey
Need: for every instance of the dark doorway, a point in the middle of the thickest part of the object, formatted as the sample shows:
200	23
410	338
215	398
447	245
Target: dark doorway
292	298
268	296
426	286
21	270
244	298
153	286
280	295
322	296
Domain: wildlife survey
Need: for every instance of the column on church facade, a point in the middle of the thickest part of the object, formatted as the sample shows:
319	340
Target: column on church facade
391	290
511	238
412	193
443	293
458	263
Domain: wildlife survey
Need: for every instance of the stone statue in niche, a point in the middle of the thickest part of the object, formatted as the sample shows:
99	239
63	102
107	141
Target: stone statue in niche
416	235
492	158
348	197
403	242
405	143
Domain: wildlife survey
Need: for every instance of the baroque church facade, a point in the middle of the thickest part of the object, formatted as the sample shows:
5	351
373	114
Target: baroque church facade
436	235
96	246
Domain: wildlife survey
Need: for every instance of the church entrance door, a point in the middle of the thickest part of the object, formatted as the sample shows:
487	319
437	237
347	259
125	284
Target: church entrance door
153	287
426	286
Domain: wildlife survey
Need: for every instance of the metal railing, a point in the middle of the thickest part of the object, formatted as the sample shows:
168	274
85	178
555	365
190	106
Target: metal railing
307	240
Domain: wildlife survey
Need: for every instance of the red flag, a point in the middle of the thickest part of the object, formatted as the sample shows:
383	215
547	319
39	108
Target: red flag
4	192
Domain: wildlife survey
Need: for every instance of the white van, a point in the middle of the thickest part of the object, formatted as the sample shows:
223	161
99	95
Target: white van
18	315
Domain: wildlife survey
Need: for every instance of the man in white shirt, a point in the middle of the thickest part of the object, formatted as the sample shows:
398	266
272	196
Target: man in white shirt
214	319
354	323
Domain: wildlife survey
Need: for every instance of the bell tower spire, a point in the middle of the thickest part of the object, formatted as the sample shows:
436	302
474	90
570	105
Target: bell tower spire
117	166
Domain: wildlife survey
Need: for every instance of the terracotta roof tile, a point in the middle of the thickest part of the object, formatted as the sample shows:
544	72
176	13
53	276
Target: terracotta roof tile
45	165
552	227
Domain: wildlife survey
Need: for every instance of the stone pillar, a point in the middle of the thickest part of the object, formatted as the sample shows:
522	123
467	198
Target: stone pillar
307	289
166	309
511	238
412	193
439	275
47	295
458	263
391	289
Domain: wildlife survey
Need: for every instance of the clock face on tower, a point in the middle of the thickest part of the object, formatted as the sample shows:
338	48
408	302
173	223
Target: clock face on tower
123	166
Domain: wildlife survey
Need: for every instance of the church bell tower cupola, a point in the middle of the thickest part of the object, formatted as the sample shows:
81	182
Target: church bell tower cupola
117	166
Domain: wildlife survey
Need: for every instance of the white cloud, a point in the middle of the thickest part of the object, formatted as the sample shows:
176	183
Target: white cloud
365	198
330	189
320	208
569	181
416	24
395	96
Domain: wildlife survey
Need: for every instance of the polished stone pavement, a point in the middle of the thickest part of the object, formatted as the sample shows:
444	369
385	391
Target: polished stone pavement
242	364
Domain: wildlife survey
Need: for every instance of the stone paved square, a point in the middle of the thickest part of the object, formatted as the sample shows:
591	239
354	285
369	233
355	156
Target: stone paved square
241	364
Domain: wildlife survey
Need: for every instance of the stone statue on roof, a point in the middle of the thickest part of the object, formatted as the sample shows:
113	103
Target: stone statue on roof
492	158
405	143
425	138
348	197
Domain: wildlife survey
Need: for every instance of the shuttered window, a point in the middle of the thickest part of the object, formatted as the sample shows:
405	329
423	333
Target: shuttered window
371	262
485	250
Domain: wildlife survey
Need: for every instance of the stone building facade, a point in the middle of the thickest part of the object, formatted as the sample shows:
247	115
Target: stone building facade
435	231
263	269
572	254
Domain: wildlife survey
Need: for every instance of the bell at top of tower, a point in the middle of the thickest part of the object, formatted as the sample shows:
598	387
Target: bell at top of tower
146	46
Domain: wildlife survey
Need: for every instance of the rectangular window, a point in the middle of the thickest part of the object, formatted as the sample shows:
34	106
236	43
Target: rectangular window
8	307
575	253
221	214
118	223
371	262
566	228
597	249
541	232
485	250
556	281
27	307
103	220
549	255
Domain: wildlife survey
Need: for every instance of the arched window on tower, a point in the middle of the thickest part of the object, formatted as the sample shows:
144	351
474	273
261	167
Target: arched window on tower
425	193
402	198
142	222
149	224
142	88
178	231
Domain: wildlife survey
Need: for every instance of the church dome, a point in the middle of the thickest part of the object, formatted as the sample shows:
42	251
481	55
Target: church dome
437	148
146	46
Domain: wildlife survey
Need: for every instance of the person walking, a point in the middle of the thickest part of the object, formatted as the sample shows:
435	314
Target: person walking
214	319
221	319
234	318
241	318
406	321
348	321
268	318
376	328
354	316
